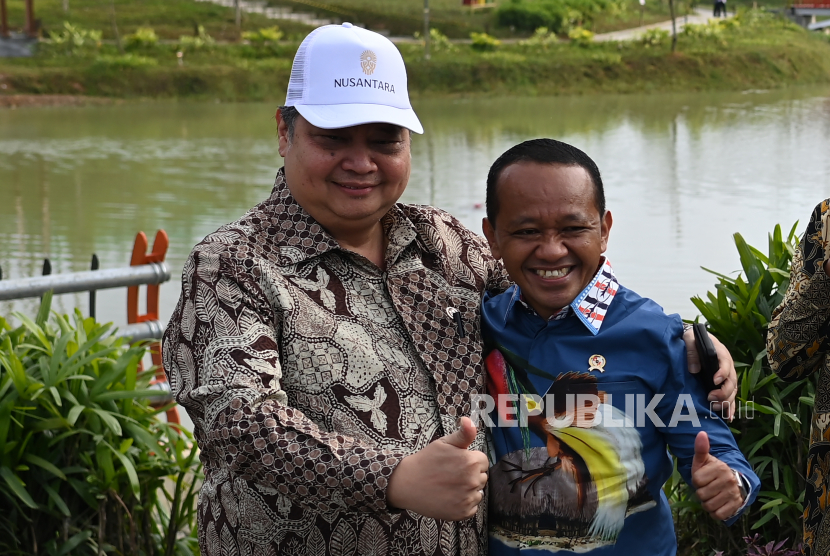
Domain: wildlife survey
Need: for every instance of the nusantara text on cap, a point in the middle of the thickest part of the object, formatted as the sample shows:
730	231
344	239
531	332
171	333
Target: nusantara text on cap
360	82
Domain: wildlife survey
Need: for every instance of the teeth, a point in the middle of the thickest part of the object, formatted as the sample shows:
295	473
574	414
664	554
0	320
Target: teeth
552	273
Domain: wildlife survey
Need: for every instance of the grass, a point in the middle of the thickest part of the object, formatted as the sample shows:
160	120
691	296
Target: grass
405	17
173	18
755	51
170	18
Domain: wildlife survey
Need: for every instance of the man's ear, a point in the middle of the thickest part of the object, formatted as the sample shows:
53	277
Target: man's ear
490	234
282	133
605	229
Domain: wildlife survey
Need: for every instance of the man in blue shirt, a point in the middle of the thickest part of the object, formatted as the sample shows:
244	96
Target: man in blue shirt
588	379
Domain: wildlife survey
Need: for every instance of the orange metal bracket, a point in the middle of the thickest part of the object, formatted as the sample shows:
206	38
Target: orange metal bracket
140	257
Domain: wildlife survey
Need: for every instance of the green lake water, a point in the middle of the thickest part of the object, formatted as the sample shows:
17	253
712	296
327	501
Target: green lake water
682	174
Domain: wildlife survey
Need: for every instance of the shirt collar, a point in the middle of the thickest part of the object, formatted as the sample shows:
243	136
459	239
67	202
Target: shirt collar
592	303
300	237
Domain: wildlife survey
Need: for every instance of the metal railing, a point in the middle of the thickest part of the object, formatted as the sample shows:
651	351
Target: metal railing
145	270
88	280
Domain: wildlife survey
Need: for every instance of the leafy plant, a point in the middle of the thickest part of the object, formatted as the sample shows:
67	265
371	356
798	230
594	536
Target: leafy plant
580	36
556	15
143	38
86	465
126	61
438	41
542	38
484	42
198	42
654	37
264	35
772	426
72	39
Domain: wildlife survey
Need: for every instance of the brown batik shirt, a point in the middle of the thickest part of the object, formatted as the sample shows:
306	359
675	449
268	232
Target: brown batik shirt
798	346
309	374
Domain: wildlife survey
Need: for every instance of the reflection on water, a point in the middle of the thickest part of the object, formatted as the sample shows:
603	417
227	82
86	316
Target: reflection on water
682	174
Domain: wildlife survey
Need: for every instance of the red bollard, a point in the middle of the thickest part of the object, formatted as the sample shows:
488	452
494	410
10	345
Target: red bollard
140	257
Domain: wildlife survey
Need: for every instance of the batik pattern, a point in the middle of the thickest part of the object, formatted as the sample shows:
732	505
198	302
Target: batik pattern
309	374
797	346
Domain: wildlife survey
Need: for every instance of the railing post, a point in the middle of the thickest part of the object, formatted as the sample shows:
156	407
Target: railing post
140	257
4	20
93	266
31	30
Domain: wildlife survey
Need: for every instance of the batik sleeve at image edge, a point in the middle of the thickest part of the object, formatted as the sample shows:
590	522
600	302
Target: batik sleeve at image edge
797	340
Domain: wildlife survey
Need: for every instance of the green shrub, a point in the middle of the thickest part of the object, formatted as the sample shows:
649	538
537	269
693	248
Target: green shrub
580	37
484	42
72	40
711	30
126	61
263	36
654	37
542	38
201	41
87	467
438	41
143	38
530	16
557	15
772	428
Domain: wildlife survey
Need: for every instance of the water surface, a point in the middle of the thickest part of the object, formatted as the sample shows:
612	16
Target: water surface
682	174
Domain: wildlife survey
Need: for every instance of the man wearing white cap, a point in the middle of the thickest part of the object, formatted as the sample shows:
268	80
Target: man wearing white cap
327	344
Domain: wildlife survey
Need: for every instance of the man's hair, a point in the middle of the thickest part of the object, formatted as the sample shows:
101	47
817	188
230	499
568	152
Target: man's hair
289	116
542	151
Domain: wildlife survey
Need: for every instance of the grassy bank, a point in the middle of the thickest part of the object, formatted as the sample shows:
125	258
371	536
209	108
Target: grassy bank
169	18
755	51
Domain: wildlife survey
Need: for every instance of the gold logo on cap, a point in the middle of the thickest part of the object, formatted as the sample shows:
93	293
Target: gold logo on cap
368	62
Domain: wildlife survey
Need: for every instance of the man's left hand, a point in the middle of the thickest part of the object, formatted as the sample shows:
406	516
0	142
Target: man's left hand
715	483
726	375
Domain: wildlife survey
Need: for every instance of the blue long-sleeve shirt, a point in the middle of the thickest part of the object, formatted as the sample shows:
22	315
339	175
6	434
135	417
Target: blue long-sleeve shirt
582	488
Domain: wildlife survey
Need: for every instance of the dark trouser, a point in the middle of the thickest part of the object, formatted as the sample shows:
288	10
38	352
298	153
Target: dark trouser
720	9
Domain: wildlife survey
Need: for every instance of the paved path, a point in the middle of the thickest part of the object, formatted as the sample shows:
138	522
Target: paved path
17	46
702	15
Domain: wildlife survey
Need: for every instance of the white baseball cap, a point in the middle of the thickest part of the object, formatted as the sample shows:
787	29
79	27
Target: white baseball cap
345	76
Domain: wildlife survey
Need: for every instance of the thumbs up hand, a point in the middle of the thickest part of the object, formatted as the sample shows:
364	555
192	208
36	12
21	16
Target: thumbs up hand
715	483
444	480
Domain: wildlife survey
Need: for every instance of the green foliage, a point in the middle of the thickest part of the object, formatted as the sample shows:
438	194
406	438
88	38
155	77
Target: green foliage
654	37
438	41
143	38
556	15
580	37
541	39
263	36
709	30
201	41
126	61
483	42
86	466
73	40
772	428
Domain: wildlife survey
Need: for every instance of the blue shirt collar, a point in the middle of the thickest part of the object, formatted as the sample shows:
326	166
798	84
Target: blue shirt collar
589	306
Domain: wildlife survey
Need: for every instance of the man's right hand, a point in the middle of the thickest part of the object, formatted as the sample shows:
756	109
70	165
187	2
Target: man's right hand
444	481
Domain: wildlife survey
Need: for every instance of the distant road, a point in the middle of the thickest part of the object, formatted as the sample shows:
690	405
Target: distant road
702	15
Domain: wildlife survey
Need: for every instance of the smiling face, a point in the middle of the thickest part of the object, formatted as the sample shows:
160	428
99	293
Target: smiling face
548	232
348	178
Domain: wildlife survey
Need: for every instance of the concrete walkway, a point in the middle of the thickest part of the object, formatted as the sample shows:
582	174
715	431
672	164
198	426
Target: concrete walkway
17	45
702	15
